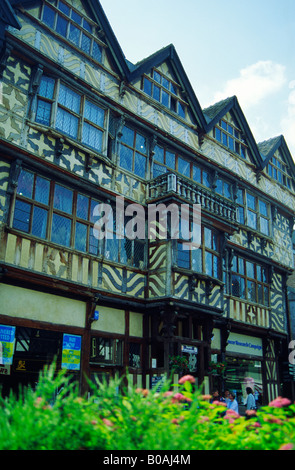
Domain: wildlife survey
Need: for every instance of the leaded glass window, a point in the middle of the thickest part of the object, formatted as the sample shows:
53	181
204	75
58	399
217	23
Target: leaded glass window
76	116
51	211
73	26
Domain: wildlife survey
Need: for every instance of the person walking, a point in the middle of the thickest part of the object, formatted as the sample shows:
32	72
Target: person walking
250	403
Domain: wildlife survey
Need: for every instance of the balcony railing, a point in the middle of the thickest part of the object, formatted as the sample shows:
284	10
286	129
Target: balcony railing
193	193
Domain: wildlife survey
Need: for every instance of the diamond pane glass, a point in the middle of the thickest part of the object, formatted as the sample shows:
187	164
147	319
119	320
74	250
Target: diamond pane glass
61	230
67	123
22	214
92	136
39	224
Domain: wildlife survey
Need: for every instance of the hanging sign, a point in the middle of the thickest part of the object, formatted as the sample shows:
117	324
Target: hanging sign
189	349
7	341
71	352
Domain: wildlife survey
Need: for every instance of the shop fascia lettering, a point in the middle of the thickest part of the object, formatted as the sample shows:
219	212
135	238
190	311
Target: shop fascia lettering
244	344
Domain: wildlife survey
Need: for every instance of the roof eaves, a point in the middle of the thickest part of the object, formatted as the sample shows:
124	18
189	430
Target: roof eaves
112	41
8	15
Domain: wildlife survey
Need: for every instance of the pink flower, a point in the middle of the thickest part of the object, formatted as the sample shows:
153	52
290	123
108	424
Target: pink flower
187	378
203	419
107	422
232	414
219	403
279	402
251	413
178	397
286	446
205	397
167	394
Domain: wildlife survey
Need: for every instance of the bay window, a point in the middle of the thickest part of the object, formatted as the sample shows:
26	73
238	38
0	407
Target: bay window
205	259
250	281
51	211
253	211
71	113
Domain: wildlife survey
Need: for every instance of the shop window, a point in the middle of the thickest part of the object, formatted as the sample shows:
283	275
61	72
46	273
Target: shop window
106	351
242	373
250	281
71	113
51	211
71	25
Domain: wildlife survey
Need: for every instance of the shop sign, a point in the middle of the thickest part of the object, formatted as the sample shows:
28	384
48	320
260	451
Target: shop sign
71	352
189	349
242	344
7	341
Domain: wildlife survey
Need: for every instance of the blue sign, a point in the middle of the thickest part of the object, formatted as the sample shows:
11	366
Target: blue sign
7	337
71	352
7	333
71	342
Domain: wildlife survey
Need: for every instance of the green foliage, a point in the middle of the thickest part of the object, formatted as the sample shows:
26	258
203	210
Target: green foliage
118	418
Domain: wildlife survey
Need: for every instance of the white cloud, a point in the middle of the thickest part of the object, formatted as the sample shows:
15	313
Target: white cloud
255	83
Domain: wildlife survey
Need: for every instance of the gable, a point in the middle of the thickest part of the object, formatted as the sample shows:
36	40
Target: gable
228	125
277	161
162	77
83	25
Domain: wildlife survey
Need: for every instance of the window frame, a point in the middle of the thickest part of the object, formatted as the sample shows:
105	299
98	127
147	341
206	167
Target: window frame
245	211
195	259
227	134
242	273
57	106
135	255
133	148
158	165
275	167
95	43
172	90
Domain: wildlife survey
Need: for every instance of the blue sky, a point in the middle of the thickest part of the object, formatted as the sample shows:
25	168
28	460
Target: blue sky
227	47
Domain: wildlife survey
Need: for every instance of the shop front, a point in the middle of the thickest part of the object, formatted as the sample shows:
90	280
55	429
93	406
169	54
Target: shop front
243	359
241	366
25	351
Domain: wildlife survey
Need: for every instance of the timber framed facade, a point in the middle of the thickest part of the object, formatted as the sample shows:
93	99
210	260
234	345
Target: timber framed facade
82	126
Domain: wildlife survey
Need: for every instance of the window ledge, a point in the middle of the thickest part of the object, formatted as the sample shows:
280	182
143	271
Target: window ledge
198	276
51	132
248	302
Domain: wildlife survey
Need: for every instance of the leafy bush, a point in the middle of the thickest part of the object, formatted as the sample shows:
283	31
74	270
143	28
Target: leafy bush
177	418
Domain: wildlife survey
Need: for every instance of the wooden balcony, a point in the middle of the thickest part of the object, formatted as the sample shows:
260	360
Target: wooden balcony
190	192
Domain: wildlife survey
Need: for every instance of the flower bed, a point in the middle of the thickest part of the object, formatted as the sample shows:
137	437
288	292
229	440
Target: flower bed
177	418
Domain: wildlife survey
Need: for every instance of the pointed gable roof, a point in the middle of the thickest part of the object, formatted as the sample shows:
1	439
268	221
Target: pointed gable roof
169	54
268	148
215	112
98	15
7	15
